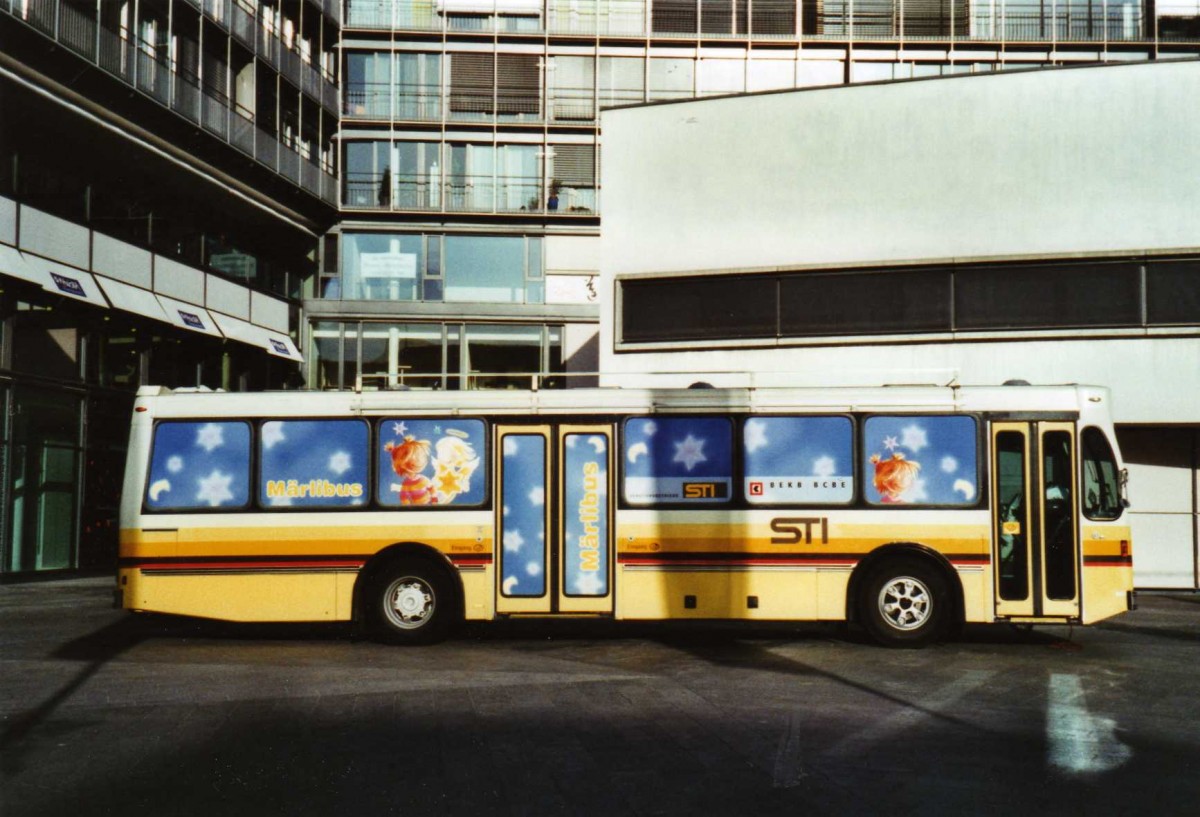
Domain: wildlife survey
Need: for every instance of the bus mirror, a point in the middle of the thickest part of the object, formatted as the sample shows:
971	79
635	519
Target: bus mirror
1124	487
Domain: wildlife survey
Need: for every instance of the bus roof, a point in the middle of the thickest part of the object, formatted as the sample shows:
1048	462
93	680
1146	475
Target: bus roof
164	402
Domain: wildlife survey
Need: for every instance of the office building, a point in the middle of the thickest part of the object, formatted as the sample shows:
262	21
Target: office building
166	171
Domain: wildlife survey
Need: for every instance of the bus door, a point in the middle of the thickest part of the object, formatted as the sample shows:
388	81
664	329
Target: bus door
554	519
1035	520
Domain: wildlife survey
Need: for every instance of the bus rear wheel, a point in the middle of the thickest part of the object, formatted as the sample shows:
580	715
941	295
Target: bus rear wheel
410	602
905	603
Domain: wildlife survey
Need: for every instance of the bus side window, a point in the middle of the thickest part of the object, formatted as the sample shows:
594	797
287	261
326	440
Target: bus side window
1101	479
675	460
802	460
313	463
436	462
199	465
920	460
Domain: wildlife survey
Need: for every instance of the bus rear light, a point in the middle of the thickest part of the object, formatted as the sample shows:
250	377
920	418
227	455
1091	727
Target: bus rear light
1124	547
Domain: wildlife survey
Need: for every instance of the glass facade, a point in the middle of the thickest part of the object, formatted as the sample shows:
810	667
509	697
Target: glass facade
436	355
427	267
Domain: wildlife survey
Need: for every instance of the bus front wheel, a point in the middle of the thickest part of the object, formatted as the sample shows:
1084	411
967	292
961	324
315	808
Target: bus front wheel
411	603
905	604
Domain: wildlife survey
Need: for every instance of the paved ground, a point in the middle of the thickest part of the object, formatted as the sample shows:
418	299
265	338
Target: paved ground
107	713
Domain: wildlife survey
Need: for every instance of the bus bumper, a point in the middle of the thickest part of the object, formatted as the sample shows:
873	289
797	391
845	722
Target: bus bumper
1131	600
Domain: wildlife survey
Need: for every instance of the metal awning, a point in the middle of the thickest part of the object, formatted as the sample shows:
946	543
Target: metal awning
133	299
74	283
51	276
13	263
189	316
275	343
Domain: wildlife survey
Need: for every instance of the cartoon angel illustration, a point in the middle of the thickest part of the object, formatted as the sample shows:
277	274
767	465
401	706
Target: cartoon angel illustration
409	459
894	476
454	463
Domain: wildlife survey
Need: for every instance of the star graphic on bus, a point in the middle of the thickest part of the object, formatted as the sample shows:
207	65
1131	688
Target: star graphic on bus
755	436
214	489
891	443
339	462
448	481
690	452
914	438
271	434
209	436
589	584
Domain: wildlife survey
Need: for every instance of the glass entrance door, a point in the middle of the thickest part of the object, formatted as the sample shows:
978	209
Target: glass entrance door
554	519
1034	520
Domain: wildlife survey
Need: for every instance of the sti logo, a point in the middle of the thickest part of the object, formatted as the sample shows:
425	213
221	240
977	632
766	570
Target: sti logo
70	286
191	319
279	347
704	490
756	489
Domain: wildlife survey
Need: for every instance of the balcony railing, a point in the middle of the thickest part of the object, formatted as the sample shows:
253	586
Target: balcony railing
145	67
461	194
917	20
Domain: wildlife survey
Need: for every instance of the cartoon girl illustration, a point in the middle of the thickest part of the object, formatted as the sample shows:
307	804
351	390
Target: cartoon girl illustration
893	477
409	459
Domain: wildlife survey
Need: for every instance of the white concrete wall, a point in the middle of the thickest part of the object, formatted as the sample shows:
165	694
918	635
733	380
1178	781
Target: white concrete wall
1100	158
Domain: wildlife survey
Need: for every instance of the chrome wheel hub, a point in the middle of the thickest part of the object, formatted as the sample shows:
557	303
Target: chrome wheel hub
409	603
905	603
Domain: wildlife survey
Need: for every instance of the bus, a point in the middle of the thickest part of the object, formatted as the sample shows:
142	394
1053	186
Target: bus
910	510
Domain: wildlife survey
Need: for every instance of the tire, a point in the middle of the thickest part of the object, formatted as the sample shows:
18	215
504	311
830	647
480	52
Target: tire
411	601
905	603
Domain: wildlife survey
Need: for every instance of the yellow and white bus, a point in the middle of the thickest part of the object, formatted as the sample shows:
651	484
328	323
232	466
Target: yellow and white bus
908	509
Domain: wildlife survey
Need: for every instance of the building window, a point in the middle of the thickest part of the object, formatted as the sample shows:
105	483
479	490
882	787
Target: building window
505	85
671	77
1045	296
410	267
864	303
571	89
368	90
702	308
503	357
622	81
366	175
1014	297
1173	292
490	269
573	179
379	266
403	355
437	356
